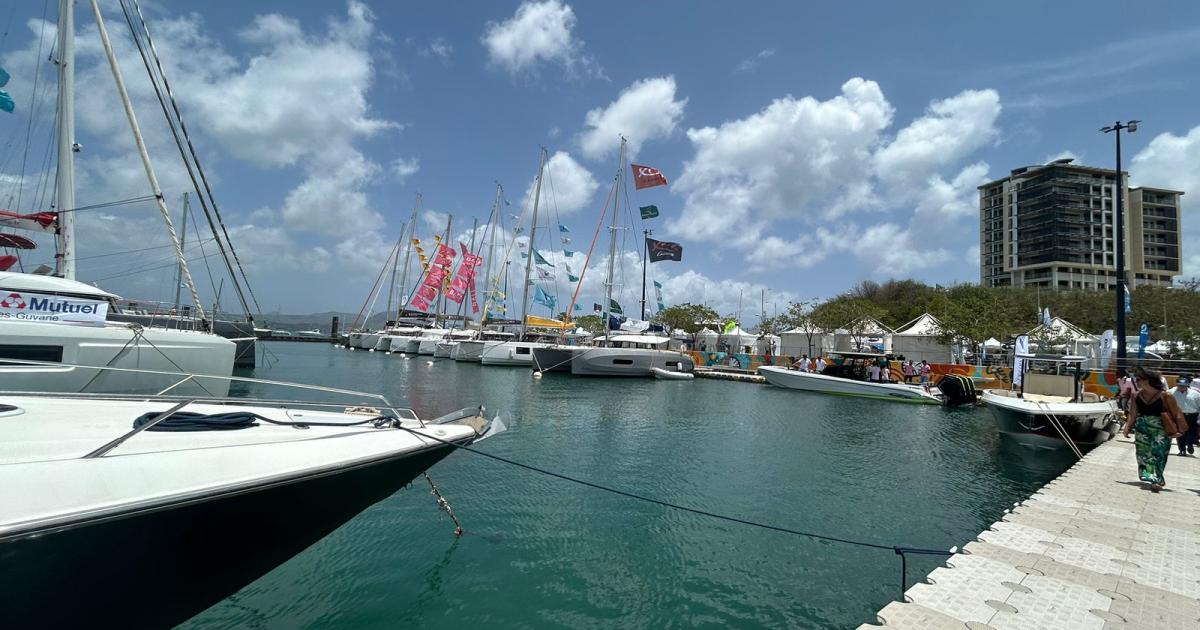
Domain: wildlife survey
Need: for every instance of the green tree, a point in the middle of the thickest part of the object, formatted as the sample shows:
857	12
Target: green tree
800	317
688	317
591	323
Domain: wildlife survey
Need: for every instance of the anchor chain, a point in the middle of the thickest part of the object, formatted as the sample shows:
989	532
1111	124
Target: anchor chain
444	505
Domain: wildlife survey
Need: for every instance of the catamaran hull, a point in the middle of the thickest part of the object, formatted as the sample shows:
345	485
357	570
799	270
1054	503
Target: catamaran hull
468	351
555	359
1029	424
443	349
159	567
821	384
632	362
510	353
426	346
369	341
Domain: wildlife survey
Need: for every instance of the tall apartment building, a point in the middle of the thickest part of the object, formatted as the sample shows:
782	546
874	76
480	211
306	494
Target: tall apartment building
1052	226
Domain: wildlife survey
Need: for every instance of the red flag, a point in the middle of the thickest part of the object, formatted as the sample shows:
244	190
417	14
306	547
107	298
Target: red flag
647	177
38	221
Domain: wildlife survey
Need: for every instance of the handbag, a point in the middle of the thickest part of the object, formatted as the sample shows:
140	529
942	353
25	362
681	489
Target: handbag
1172	423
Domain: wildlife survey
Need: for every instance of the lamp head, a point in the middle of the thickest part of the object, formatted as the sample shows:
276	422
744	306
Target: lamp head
1132	125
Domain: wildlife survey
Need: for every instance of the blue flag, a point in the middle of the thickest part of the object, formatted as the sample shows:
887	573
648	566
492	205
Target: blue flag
541	297
1128	301
540	260
1143	339
571	278
578	308
568	253
4	76
6	102
562	228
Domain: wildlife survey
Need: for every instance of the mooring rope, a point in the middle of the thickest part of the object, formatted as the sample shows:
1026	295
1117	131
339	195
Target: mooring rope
899	550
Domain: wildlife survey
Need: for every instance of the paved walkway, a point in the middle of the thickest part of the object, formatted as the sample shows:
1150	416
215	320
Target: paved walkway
1092	549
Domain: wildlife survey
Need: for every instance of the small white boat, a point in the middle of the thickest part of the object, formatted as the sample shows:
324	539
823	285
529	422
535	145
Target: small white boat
672	375
629	355
1050	406
842	380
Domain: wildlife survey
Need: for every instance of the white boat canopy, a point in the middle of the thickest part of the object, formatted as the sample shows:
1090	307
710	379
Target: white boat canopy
37	283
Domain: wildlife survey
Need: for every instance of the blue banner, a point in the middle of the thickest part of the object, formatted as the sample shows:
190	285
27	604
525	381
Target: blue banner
1143	339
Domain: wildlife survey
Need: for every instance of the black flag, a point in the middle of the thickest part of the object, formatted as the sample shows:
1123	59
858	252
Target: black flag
664	250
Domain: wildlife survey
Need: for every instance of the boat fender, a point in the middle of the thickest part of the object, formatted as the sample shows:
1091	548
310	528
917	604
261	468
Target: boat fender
537	375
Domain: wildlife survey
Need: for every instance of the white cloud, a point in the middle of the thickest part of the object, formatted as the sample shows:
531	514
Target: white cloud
1169	161
950	130
568	187
749	64
439	48
403	168
816	162
539	32
332	202
795	157
646	110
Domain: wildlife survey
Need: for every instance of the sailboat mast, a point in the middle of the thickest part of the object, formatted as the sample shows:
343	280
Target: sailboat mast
439	318
183	241
145	155
395	258
490	234
537	194
612	230
412	233
64	258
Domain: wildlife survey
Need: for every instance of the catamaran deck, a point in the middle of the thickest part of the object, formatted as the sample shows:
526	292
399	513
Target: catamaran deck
1092	549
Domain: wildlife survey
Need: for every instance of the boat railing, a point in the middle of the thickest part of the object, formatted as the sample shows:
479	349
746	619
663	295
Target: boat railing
366	401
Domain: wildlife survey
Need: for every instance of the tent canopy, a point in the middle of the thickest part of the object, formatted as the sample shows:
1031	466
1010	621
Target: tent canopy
707	333
992	342
926	326
1062	328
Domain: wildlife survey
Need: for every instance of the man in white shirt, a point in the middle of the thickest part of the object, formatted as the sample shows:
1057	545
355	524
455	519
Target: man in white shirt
1189	404
820	366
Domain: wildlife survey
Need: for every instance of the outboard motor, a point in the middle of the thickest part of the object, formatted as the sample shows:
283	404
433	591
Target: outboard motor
958	390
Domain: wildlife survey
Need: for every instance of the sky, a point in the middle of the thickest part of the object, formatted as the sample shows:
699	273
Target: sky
808	147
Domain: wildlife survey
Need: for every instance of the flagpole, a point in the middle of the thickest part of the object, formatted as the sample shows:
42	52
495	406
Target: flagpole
537	194
412	233
489	235
645	255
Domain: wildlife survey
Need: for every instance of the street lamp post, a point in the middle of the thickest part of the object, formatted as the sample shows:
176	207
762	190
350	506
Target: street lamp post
1119	238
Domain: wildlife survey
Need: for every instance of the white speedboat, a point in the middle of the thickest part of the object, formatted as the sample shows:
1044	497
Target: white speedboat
134	495
848	379
39	330
629	355
1050	406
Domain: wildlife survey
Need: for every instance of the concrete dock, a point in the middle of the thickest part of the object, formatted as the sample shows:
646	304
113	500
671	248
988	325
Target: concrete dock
1092	549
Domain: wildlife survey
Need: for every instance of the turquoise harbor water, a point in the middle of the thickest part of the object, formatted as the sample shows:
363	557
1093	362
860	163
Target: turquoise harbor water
543	553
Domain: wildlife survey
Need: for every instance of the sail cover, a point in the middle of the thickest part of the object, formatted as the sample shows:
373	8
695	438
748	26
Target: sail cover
38	221
12	241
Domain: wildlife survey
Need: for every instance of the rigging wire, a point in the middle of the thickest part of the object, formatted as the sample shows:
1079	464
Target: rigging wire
37	75
177	126
207	268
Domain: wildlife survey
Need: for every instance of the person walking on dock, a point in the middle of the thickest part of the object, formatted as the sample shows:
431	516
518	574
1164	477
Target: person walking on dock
925	369
909	371
1189	404
1157	419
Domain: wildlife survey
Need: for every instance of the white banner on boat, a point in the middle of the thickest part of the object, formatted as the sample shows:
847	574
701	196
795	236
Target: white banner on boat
1106	348
51	309
1021	347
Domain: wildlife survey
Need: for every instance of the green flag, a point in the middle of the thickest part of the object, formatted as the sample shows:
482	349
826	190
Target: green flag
539	260
730	325
615	308
571	278
649	212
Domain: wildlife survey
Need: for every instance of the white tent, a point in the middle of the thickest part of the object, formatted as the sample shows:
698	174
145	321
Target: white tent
993	344
769	344
1066	337
794	343
918	340
737	341
875	336
706	340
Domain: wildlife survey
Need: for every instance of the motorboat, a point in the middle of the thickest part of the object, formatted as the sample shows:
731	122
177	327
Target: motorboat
136	508
35	325
629	355
471	350
672	375
313	332
510	353
1049	405
848	377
